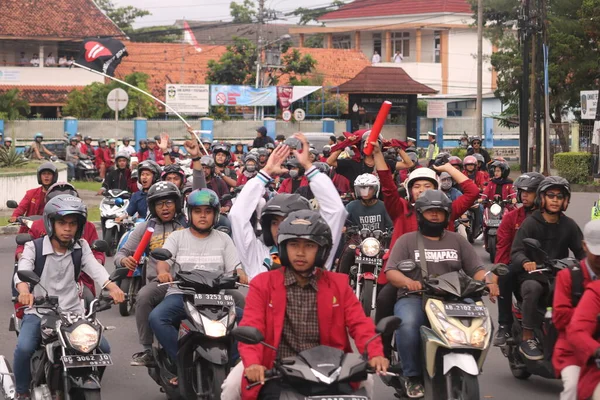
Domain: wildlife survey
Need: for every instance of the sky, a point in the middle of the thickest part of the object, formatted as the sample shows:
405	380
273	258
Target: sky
166	12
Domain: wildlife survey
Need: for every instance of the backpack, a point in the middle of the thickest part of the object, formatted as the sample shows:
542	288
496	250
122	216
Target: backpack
40	259
576	284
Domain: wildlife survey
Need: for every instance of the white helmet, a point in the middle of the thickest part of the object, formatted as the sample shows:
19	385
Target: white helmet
420	174
366	180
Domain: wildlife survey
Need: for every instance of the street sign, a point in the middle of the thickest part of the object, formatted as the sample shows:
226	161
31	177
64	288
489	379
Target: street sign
286	115
189	99
299	114
437	109
117	99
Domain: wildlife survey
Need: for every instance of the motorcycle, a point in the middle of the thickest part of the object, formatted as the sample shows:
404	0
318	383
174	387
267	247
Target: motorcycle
468	225
457	338
113	205
321	372
492	216
521	367
85	169
135	280
204	338
68	359
25	221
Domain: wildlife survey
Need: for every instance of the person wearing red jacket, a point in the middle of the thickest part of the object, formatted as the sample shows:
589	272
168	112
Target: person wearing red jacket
102	158
35	199
579	348
500	185
153	153
249	170
526	186
470	171
316	307
296	179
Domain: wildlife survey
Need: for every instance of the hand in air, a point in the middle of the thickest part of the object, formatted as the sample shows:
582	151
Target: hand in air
277	158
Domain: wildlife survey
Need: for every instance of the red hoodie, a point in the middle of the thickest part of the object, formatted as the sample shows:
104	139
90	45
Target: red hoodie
508	192
480	179
286	185
510	224
32	204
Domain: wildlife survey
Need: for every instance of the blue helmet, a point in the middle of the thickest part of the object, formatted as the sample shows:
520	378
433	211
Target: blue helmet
204	197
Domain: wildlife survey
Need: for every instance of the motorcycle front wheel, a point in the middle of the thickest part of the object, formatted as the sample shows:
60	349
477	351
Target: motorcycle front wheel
92	395
366	296
130	286
110	237
464	386
491	243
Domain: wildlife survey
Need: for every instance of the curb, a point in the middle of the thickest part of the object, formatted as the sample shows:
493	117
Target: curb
585	188
13	229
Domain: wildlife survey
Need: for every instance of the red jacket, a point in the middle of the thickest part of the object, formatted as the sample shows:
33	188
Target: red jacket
480	179
510	224
286	185
508	192
159	158
404	216
341	183
339	312
562	312
103	156
581	333
32	204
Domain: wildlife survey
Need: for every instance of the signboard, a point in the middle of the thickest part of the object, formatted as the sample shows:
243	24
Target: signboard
286	115
230	96
437	109
7	75
188	99
117	99
299	114
589	101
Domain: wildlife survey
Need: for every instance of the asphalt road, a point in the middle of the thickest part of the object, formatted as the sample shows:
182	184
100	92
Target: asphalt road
124	382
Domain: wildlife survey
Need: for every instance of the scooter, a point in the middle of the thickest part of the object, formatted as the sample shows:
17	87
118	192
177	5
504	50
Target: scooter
25	221
135	280
85	169
321	372
492	216
546	335
457	338
113	205
204	338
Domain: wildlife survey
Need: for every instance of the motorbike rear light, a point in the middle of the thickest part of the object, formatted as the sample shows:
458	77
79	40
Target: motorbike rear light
369	276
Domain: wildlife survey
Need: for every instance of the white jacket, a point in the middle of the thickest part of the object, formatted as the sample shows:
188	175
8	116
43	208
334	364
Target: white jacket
251	250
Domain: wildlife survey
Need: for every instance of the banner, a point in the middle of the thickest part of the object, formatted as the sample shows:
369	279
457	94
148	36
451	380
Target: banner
284	96
102	55
188	99
227	95
302	91
589	100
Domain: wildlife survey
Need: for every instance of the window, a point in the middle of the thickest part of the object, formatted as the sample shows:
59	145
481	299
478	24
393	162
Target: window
437	45
377	43
342	42
401	43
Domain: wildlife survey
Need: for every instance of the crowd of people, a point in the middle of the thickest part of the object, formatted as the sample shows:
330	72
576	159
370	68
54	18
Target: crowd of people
286	207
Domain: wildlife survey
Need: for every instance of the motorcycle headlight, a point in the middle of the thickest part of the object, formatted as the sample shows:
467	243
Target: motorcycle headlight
214	329
495	209
370	247
452	333
478	337
84	338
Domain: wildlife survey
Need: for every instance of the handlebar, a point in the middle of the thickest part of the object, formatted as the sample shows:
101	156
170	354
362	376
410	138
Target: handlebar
269	374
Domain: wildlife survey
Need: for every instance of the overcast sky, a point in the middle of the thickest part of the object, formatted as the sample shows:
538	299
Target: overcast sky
166	12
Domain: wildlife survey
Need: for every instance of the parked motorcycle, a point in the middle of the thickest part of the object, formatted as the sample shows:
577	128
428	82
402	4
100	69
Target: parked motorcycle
456	340
204	338
113	205
492	216
321	372
85	169
135	280
546	335
68	359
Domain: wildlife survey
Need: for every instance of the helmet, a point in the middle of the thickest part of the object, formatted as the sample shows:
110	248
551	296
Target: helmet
503	167
413	157
326	150
366	181
270	146
151	140
143	141
123	154
474	138
72	138
221	148
470	160
87	138
323	167
309	225
479	157
151	166
294	163
554	182
527	182
281	206
411	149
157	138
187	188
8	139
111	141
433	199
314	151
47	166
126	139
454	160
250	157
365	137
38	136
207	161
100	141
445	184
163	190
262	152
61	188
173	169
63	205
418	175
204	197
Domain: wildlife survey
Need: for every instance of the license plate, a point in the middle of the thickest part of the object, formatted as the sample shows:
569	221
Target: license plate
88	360
493	222
340	397
464	310
213	300
369	260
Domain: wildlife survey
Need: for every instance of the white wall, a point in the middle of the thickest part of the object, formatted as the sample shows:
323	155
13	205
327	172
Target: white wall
47	76
450	18
462	62
14	187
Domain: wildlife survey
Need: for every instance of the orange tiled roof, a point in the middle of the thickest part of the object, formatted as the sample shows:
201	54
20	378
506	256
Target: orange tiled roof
43	95
68	19
360	9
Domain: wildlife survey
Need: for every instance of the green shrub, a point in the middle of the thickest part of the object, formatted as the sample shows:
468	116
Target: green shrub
9	158
459	152
574	167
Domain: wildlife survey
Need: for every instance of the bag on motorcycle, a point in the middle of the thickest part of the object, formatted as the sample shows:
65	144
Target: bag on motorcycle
40	258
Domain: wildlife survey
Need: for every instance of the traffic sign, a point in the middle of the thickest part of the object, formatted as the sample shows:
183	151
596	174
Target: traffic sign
286	115
299	114
117	99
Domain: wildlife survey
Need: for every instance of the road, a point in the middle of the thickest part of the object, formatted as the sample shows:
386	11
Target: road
124	382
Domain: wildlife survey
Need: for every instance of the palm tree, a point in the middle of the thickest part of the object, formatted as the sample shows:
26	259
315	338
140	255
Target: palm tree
12	105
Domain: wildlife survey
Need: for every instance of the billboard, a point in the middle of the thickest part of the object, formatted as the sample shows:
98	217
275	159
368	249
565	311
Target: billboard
188	99
230	96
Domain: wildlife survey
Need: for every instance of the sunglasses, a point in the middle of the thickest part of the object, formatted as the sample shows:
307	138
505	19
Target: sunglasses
558	196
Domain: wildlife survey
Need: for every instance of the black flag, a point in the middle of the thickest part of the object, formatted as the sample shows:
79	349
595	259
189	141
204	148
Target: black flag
102	55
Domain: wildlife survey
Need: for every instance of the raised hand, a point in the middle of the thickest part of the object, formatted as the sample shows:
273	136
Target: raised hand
278	157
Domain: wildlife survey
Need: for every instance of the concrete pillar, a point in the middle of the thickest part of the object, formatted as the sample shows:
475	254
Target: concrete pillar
41	56
271	125
388	47
70	126
574	136
488	133
439	130
357	40
330	40
302	40
328	125
348	125
2	126
418	133
207	128
444	59
140	130
418	45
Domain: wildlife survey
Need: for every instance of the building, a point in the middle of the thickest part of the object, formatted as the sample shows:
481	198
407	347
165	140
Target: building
36	39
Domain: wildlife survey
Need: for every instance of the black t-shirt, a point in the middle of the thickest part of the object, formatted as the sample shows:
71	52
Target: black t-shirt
262	141
352	169
372	217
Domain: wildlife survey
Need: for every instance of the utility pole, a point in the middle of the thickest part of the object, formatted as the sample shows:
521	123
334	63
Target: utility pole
479	68
532	110
259	39
525	31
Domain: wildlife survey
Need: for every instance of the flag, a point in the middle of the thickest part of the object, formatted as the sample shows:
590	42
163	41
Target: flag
102	55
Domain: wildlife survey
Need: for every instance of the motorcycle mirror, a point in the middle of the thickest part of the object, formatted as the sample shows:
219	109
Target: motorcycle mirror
161	254
533	250
248	335
23	238
500	269
98	179
226	198
118	274
29	277
388	325
407	265
100	245
12	204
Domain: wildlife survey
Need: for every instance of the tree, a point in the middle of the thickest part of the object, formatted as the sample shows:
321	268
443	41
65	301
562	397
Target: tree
123	17
315	41
12	105
242	13
312	14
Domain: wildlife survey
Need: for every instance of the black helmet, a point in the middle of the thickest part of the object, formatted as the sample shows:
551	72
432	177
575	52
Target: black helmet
281	205
61	206
528	182
270	146
433	199
87	138
143	141
294	163
554	182
173	169
503	167
163	190
207	161
222	148
61	188
323	167
309	225
262	152
151	166
326	150
47	166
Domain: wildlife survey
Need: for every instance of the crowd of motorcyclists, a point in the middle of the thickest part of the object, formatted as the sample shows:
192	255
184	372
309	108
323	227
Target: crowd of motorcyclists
285	218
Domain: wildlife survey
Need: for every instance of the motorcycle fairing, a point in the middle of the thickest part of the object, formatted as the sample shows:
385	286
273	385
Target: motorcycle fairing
463	361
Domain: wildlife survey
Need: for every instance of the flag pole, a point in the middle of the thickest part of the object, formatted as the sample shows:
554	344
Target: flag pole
147	94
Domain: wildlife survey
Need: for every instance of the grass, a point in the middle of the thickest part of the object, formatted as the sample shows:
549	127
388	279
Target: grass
4	221
31	166
84	185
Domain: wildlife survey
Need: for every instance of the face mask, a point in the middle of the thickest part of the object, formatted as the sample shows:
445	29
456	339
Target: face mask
446	184
293	173
250	168
432	229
